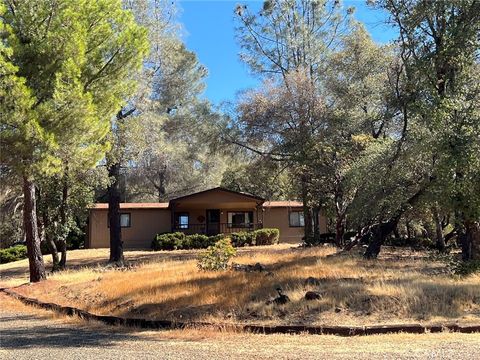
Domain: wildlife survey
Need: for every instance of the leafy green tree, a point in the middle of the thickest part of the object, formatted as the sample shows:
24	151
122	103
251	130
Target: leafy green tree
439	108
288	43
157	120
62	201
71	63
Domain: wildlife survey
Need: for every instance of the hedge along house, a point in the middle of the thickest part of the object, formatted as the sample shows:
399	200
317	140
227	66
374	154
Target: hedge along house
210	212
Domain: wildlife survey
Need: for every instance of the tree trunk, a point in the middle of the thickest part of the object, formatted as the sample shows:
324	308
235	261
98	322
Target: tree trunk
396	232
378	235
440	240
471	241
62	242
116	243
316	224
62	248
339	229
409	230
307	215
35	258
50	242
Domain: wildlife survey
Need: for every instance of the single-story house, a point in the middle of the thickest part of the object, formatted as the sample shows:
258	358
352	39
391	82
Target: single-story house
210	212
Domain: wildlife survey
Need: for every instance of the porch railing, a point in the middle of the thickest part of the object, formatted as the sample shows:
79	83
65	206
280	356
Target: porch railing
216	228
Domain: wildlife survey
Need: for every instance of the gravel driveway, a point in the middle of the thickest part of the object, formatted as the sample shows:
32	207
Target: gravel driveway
39	336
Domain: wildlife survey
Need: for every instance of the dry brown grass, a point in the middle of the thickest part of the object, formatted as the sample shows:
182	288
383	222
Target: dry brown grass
399	287
278	346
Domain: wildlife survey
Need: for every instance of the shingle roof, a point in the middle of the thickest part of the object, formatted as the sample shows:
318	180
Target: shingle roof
164	205
287	203
133	206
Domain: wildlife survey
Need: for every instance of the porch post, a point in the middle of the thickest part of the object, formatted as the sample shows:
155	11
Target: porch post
172	217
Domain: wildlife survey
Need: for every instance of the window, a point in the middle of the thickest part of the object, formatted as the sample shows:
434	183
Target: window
125	220
240	219
296	219
181	220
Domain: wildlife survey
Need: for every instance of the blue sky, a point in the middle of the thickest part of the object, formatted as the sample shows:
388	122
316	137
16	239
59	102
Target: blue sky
210	33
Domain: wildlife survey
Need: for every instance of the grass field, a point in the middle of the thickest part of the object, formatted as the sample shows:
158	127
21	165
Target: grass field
401	286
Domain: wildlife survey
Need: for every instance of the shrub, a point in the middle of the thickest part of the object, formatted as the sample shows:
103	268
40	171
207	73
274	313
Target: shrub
217	256
75	239
242	238
320	239
215	238
266	236
168	241
180	241
197	241
13	253
465	268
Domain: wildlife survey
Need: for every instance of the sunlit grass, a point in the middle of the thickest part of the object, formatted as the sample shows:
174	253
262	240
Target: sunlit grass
399	287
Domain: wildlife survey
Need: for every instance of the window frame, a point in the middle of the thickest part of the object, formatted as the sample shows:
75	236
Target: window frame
290	222
176	218
248	225
129	220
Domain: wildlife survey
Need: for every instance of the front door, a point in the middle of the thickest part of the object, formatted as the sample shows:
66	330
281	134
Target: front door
213	222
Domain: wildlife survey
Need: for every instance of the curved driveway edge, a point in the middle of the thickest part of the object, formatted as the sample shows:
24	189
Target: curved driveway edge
262	329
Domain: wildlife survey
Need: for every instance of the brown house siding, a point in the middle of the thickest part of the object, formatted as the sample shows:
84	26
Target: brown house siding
278	217
149	219
145	224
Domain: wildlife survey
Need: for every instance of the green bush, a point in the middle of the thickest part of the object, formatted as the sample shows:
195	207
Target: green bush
198	241
266	236
168	241
216	238
217	256
14	253
242	238
75	239
178	240
465	268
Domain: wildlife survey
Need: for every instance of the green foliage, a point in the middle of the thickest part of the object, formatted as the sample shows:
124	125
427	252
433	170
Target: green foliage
242	238
14	253
267	179
217	256
168	241
265	236
197	241
215	238
465	268
180	241
75	239
417	242
66	78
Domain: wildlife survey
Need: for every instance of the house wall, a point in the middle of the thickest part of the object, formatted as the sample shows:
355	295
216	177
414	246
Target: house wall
145	224
278	217
196	225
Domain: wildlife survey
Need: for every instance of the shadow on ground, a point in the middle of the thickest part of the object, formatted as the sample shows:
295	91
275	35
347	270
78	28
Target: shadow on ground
30	331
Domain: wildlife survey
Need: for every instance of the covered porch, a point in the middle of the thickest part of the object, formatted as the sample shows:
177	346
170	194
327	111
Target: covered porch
216	211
